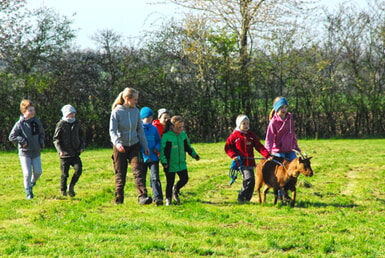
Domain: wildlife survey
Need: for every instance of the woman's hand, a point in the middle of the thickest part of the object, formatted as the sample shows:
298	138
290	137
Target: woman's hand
120	148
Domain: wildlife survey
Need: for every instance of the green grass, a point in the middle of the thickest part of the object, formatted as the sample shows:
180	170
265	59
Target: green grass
339	212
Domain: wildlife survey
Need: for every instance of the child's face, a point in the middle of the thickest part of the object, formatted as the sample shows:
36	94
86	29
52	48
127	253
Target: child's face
178	128
29	113
282	111
245	125
71	115
147	120
164	118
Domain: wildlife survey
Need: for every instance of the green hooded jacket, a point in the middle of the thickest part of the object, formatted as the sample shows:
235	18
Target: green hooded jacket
173	151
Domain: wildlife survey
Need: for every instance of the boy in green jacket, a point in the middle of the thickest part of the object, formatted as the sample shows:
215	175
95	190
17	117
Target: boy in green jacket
175	144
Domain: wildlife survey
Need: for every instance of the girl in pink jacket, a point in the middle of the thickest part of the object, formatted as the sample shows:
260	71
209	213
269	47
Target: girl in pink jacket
280	136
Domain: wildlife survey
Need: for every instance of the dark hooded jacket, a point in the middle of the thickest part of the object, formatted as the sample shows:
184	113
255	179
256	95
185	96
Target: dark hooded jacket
69	138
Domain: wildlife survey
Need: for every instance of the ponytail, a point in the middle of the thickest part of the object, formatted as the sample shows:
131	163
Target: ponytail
118	101
167	126
272	112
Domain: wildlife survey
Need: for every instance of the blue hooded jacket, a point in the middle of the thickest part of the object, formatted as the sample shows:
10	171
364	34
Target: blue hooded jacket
153	141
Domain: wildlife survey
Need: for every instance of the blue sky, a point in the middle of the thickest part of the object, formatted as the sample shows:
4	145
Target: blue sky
126	17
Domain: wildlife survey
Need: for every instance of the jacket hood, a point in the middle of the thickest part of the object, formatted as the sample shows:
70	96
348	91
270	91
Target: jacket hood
147	125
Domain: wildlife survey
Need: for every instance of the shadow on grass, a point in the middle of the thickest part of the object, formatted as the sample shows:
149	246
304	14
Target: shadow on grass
306	204
299	204
192	197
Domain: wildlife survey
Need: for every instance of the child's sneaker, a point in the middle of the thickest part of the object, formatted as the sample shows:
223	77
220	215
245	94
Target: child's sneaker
168	202
71	191
29	193
175	194
158	202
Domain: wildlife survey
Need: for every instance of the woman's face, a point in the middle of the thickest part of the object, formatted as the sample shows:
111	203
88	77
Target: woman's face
178	128
132	102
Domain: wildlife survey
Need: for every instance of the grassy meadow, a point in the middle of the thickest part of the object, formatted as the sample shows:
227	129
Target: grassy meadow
339	211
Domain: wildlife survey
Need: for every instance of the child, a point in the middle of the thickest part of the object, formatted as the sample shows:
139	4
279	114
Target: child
28	133
127	136
152	161
160	123
280	136
241	143
69	142
281	140
175	144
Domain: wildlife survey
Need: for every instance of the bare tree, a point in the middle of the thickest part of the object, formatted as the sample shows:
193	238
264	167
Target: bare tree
247	19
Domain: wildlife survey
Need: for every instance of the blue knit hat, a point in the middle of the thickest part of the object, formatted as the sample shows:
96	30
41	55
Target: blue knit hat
146	112
280	103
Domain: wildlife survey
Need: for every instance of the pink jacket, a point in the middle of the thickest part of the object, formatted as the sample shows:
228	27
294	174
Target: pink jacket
280	135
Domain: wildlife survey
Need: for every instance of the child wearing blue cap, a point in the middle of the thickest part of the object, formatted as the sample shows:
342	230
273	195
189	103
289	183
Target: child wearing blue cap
151	161
281	139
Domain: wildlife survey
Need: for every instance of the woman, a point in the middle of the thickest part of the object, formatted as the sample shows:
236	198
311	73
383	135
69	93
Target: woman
127	137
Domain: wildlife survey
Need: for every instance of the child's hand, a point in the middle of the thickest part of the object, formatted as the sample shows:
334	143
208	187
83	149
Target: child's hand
236	159
165	167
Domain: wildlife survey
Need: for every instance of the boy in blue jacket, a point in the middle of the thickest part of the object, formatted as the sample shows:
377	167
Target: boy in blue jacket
151	161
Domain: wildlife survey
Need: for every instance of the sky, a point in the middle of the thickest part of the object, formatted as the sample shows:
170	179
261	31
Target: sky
128	18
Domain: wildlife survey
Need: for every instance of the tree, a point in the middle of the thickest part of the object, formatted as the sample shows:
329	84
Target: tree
247	19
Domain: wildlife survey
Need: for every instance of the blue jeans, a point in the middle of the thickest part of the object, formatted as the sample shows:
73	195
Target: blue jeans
154	179
32	170
286	155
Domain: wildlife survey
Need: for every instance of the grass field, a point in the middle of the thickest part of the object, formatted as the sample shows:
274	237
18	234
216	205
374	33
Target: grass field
339	212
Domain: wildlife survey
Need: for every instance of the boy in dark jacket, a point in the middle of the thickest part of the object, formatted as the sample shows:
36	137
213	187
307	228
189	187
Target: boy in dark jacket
69	142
